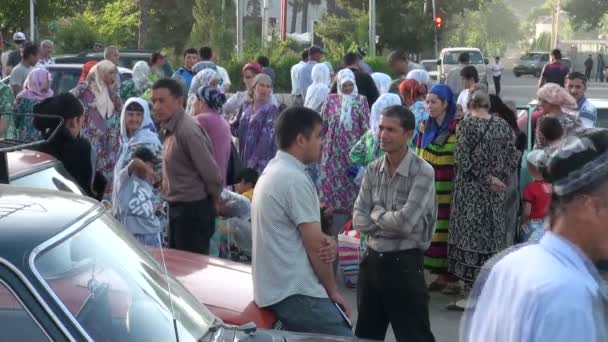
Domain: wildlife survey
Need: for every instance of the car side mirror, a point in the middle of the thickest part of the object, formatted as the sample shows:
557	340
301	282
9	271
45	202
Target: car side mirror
439	62
486	61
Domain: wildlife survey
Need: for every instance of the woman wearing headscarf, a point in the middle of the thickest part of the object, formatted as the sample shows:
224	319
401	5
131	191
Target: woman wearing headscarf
485	158
555	101
345	120
413	94
421	76
435	141
140	82
206	77
256	125
208	109
36	88
101	125
319	90
382	81
236	104
86	69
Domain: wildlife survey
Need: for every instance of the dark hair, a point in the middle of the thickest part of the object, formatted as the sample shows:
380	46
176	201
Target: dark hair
556	53
293	122
407	120
206	53
575	75
134	107
155	57
304	55
248	176
65	105
190	51
464	58
470	73
263	61
503	111
351	58
29	50
551	128
170	84
145	154
396	55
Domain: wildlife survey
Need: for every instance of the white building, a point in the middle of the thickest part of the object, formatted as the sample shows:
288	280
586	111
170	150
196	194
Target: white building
544	25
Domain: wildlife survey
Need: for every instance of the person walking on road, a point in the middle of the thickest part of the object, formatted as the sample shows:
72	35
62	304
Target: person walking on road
192	182
554	72
293	272
588	66
576	84
497	70
599	68
552	289
397	209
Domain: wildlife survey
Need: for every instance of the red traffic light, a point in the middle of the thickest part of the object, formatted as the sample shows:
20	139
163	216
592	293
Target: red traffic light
438	21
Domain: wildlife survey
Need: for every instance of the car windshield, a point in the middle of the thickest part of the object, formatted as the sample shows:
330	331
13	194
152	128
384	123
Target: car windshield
115	290
430	65
451	57
532	57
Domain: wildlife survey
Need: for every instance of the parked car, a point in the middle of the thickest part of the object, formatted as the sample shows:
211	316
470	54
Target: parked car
70	272
531	63
128	58
225	287
448	60
65	76
431	66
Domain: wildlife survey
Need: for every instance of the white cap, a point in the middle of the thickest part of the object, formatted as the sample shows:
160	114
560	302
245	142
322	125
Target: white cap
19	36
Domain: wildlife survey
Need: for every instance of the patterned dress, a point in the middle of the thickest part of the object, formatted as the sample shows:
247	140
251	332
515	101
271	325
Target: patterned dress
256	136
337	187
366	150
103	133
22	128
440	154
6	98
477	231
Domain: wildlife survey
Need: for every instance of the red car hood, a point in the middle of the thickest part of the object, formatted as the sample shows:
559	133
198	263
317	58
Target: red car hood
225	287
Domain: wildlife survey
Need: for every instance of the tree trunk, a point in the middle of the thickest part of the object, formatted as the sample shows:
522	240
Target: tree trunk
305	5
144	6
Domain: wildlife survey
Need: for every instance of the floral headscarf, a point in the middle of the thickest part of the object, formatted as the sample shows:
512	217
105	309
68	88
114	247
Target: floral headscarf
34	85
212	96
346	76
100	89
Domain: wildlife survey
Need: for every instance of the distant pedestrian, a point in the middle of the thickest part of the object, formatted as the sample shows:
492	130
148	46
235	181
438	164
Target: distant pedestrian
191	182
185	73
319	90
13	57
555	71
293	272
400	64
600	68
296	94
576	84
46	50
315	55
469	79
265	63
453	78
256	125
23	68
497	70
543	284
365	83
588	66
382	81
37	87
397	209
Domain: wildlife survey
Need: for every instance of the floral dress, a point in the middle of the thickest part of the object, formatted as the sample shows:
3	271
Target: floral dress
22	127
337	187
256	136
102	132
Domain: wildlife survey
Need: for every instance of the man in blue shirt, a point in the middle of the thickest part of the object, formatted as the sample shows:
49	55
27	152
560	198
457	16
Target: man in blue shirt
552	290
185	73
576	84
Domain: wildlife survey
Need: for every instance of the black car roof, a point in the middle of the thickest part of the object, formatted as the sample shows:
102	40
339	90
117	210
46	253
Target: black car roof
29	217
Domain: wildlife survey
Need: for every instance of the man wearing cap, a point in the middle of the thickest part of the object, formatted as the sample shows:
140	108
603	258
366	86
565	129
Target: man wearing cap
46	49
552	290
13	57
22	70
315	55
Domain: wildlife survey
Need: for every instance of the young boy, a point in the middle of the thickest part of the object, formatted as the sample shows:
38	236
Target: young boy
551	131
537	198
246	181
135	208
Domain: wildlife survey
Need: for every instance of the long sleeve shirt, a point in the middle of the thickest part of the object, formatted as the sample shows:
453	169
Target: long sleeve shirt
398	212
190	171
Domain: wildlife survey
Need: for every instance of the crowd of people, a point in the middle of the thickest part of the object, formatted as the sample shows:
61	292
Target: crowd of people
426	173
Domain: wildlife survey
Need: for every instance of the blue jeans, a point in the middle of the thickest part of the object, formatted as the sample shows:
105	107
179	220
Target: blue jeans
536	230
152	240
306	314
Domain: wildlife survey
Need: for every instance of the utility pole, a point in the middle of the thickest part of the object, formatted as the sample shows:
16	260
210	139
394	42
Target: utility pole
265	23
556	23
436	31
284	19
239	27
372	28
32	25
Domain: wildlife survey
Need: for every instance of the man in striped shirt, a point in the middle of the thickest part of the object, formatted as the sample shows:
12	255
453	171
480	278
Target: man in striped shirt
397	209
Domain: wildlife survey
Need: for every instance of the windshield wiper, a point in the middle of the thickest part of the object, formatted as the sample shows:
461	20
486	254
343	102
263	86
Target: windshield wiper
217	324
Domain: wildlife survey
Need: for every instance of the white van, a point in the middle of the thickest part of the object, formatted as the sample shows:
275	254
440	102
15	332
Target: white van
448	59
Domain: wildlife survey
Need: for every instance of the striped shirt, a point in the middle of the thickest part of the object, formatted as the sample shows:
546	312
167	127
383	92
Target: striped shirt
398	212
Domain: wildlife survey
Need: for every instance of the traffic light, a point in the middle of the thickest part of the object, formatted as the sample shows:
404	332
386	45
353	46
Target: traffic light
438	22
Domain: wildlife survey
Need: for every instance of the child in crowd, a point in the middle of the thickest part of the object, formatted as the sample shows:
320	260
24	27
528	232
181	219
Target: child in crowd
537	198
135	209
245	182
551	132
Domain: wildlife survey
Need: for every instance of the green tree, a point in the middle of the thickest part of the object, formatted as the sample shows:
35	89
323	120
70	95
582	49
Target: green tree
214	26
170	24
586	14
76	34
343	34
118	23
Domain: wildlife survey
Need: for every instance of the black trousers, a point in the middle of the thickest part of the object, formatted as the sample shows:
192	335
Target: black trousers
588	73
497	84
191	225
392	289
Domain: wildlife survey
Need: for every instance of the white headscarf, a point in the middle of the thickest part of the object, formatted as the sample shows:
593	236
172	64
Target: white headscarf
420	76
345	76
100	89
383	82
141	71
385	100
202	79
318	91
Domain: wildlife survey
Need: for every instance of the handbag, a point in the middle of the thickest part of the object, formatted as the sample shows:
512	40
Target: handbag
234	165
349	254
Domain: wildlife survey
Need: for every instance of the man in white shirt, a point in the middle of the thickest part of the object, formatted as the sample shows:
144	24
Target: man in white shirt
293	273
296	94
46	49
552	290
470	78
315	55
497	70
